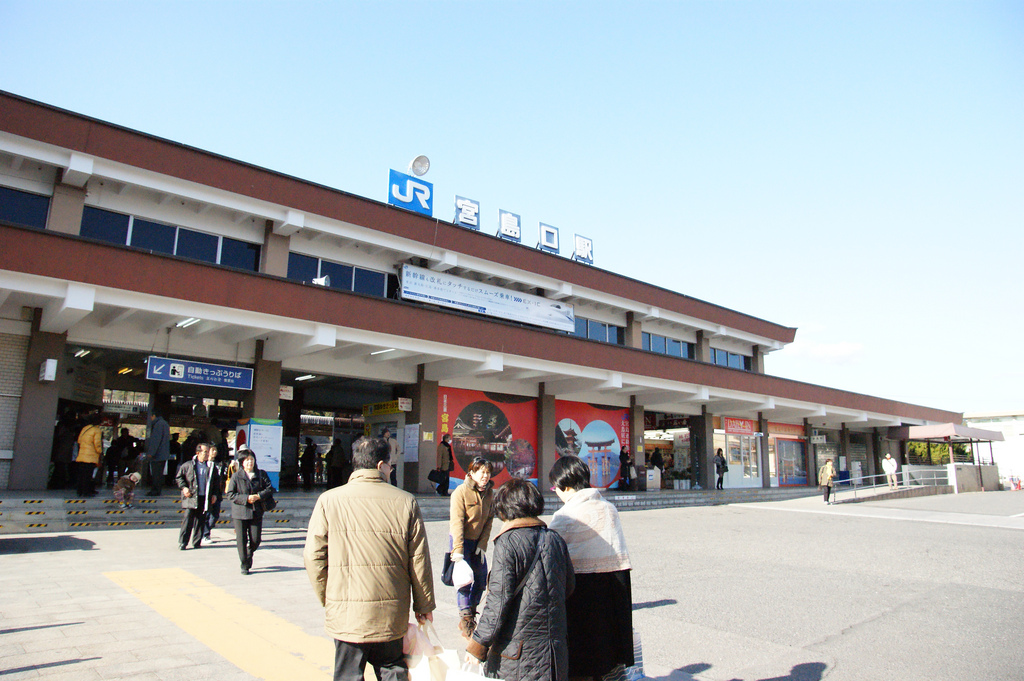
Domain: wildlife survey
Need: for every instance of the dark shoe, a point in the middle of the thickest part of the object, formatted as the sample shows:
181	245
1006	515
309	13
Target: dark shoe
182	547
245	571
198	545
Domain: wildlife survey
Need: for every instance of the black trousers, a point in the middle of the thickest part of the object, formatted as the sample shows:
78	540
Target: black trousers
248	534
445	485
83	478
193	524
387	660
828	491
718	485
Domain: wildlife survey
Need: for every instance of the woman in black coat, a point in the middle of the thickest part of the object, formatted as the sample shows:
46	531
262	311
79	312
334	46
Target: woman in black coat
249	491
522	631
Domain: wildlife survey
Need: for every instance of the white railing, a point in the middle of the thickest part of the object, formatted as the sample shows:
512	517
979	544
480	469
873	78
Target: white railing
865	485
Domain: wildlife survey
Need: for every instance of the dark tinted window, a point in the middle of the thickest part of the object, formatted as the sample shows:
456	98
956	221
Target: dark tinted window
196	245
240	254
302	267
597	331
104	225
645	340
581	327
23	208
369	282
617	335
341	275
153	236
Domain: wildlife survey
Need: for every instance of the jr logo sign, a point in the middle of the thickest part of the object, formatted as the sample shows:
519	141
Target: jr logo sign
410	193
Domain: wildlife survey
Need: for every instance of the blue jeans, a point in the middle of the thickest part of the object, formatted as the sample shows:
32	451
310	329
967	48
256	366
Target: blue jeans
468	597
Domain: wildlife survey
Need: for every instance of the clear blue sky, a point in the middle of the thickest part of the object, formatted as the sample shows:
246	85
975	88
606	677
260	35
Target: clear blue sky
854	169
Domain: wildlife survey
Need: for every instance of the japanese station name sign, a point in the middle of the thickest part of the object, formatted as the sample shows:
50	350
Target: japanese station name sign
415	194
392	407
198	373
438	288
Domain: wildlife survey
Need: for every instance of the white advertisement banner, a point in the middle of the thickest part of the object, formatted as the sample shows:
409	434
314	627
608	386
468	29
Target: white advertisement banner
438	288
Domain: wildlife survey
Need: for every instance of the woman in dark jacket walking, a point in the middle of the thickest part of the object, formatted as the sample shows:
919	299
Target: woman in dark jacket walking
522	631
249	490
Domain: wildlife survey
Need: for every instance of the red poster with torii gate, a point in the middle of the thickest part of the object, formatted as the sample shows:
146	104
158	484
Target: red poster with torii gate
500	428
595	434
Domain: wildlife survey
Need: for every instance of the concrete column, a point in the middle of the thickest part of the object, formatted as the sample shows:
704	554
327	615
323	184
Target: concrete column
264	399
844	445
66	209
424	412
812	460
546	425
702	348
37	411
702	443
757	360
274	254
636	441
766	472
634	334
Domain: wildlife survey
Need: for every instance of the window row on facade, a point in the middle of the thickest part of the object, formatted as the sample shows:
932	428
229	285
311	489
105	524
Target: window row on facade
30	210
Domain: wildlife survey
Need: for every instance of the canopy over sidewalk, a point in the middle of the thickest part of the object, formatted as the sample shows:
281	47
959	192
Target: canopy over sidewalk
945	432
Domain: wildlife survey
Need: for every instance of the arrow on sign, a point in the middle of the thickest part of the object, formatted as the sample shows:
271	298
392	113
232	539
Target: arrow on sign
159	369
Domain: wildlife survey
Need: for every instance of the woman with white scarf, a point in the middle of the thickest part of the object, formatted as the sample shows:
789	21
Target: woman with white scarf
600	610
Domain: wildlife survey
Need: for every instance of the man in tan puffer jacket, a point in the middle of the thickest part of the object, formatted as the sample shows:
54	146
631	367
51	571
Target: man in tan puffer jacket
367	558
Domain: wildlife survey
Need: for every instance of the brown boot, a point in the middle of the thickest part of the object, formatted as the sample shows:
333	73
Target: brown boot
467	623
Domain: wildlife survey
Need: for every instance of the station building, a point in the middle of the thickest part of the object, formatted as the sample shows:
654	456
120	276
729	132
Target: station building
117	247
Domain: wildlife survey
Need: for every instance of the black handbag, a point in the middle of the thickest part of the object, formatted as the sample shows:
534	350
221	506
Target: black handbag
436	476
269	503
446	570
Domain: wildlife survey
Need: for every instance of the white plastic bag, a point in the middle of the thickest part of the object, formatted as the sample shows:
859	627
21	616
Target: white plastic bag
472	669
434	664
462	574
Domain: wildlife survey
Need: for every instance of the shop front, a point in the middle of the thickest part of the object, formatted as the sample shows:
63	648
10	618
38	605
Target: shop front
741	445
787	455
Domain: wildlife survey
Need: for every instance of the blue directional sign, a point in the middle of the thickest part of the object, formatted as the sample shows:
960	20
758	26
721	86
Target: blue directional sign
412	193
198	373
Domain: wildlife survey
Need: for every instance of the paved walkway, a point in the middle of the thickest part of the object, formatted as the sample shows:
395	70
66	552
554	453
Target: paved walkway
720	593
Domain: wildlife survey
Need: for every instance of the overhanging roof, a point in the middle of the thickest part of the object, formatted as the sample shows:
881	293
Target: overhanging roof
946	432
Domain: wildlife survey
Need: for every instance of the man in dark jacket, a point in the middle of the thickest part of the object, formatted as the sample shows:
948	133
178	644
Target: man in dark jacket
158	450
199	484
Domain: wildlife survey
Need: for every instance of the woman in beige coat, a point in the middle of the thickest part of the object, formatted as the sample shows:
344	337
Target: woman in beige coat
469	529
825	476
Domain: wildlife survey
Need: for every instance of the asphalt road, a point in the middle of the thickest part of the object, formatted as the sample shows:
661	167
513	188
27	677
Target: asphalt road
926	588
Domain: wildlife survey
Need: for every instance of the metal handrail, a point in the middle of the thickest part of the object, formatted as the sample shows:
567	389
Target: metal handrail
867	482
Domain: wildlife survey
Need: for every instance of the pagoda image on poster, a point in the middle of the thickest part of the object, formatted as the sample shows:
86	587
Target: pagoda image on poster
595	434
498	428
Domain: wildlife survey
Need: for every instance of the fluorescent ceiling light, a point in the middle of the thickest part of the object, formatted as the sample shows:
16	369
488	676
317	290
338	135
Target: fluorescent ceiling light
126	370
381	352
185	323
82	353
307	377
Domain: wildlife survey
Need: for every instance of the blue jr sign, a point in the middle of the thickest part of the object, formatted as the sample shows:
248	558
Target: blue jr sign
411	193
198	373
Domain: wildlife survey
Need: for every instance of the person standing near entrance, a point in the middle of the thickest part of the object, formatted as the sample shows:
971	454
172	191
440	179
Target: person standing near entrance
158	451
396	456
368	560
889	466
198	483
90	456
720	468
445	464
307	464
825	475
